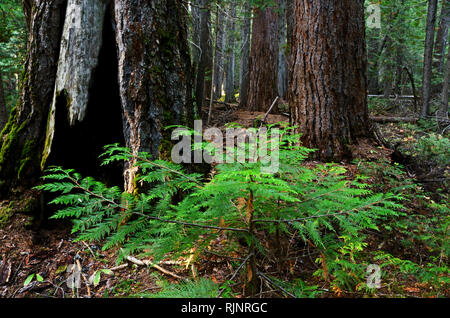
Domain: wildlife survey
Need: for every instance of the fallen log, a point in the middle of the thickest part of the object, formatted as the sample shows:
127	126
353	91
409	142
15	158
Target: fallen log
385	120
393	96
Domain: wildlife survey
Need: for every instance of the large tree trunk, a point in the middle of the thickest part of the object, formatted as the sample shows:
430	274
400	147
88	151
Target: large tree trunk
244	69
262	89
328	82
3	111
24	135
129	70
428	57
154	73
230	57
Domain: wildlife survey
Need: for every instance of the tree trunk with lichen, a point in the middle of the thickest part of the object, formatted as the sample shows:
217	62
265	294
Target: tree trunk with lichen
328	80
97	72
154	74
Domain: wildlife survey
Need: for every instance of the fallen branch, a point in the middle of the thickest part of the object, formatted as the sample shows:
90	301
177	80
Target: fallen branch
149	263
270	109
384	120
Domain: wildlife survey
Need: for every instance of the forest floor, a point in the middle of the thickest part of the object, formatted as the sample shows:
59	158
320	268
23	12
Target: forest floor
48	249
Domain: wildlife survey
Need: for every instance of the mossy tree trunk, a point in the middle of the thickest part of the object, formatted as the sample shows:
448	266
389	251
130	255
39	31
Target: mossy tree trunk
154	73
24	134
129	70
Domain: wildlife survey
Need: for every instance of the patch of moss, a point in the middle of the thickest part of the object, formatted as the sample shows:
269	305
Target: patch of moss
26	156
6	213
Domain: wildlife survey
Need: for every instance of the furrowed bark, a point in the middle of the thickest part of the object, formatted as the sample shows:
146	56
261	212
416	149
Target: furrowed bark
244	75
439	48
230	56
203	84
328	81
262	89
219	56
428	58
154	70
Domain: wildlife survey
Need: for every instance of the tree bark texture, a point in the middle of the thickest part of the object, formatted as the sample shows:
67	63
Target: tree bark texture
440	45
219	56
203	83
78	58
244	67
428	57
3	111
126	87
442	37
282	58
230	56
263	64
328	81
154	73
24	135
443	109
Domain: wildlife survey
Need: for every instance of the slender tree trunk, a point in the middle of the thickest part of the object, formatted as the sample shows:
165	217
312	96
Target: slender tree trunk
203	83
443	110
388	68
219	56
195	37
442	37
244	76
3	111
428	58
230	56
373	47
328	83
262	89
282	60
439	46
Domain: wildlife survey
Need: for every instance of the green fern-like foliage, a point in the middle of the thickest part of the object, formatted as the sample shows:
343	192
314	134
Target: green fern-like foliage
203	288
181	210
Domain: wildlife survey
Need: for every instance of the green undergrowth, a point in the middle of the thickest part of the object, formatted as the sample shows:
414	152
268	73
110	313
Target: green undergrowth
317	206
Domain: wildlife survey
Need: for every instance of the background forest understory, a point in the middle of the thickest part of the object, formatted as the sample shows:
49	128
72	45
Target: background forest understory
88	186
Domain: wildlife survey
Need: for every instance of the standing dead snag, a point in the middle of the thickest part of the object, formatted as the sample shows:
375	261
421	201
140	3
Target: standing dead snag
120	74
80	48
328	82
